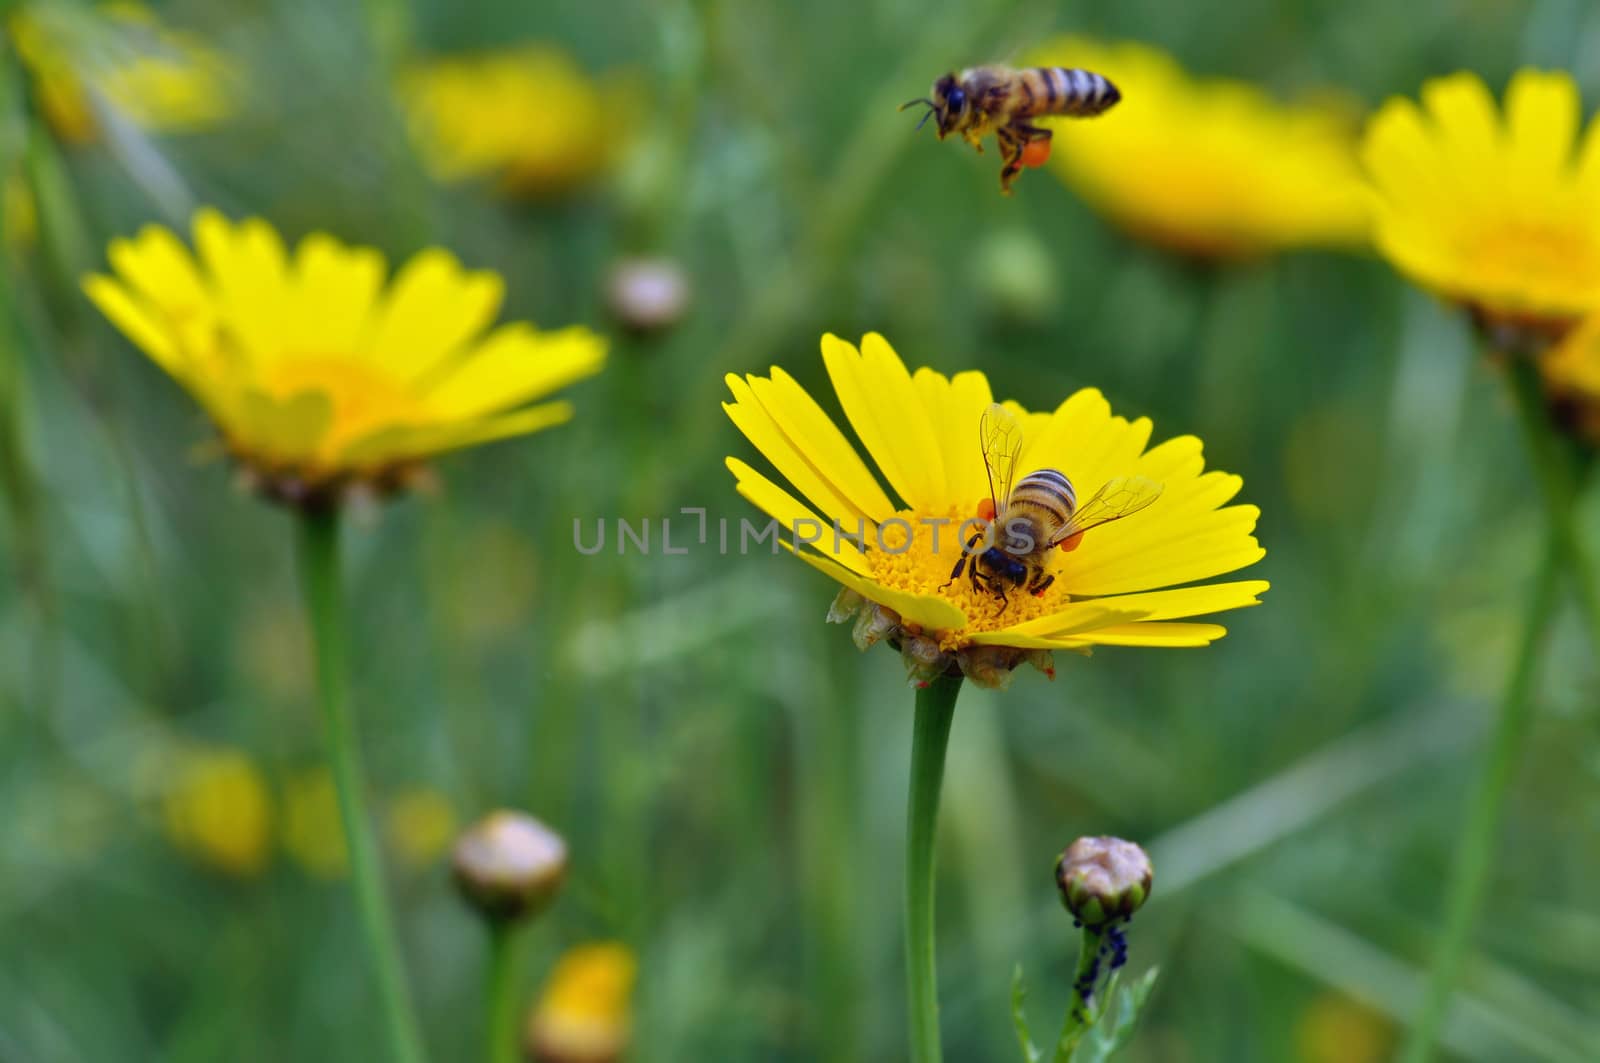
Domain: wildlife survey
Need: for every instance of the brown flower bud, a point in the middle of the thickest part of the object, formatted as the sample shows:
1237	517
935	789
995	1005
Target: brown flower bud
1103	879
509	866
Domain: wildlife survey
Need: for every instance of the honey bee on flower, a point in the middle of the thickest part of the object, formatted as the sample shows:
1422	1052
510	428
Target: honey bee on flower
1127	585
1040	514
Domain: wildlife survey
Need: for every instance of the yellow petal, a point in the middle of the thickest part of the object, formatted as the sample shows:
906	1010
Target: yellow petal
334	291
1152	605
1069	627
887	414
1542	117
1176	552
517	363
1156	635
812	431
934	614
248	270
135	322
1465	113
414	443
793	516
787	456
433	308
956	406
287	429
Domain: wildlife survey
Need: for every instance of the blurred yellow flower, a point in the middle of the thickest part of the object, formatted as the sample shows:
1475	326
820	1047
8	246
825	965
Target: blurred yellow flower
1208	167
923	432
1499	214
313	834
583	1015
420	825
527	115
1336	1029
1571	372
216	807
159	79
318	375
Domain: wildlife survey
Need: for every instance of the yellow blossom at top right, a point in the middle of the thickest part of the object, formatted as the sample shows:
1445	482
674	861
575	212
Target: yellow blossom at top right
1498	212
1210	168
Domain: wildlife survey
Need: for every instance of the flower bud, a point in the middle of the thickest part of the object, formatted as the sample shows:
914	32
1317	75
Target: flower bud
509	866
1103	880
648	294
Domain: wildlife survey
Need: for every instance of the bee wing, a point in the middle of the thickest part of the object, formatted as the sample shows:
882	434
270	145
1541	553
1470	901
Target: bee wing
1001	435
1117	498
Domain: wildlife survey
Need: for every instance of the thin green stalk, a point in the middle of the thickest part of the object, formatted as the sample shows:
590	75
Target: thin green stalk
500	994
1080	1013
1560	472
936	706
319	565
1474	853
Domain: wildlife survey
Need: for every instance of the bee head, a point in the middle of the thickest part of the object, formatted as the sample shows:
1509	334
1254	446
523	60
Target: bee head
1003	565
950	103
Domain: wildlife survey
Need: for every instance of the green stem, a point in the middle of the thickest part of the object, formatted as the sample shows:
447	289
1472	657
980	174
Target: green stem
1080	1013
319	565
1560	472
1474	853
500	994
936	706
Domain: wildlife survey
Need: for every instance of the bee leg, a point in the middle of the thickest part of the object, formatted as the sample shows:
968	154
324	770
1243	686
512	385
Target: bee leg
966	555
1043	585
1011	149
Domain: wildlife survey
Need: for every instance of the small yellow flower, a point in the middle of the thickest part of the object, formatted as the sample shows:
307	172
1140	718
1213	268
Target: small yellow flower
1337	1029
583	1015
317	374
216	808
526	115
1208	167
1500	214
313	834
159	79
421	824
922	429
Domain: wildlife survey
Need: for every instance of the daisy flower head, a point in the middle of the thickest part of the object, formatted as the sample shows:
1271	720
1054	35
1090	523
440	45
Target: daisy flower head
907	574
120	57
1208	167
528	116
321	373
1497	210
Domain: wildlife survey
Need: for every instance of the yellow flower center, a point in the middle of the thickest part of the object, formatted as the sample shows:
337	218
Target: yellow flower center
1521	249
360	394
915	552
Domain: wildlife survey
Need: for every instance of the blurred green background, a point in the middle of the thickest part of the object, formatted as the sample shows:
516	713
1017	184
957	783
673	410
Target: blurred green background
729	771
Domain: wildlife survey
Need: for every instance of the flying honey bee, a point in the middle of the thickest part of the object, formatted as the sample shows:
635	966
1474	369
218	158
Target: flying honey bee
1001	100
1040	513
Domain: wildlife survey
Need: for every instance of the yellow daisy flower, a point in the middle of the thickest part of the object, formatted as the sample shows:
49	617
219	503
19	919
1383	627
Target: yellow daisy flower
527	115
1208	167
1499	214
216	807
922	430
583	1014
318	375
160	79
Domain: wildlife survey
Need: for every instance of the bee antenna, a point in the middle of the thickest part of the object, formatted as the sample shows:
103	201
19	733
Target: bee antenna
929	104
